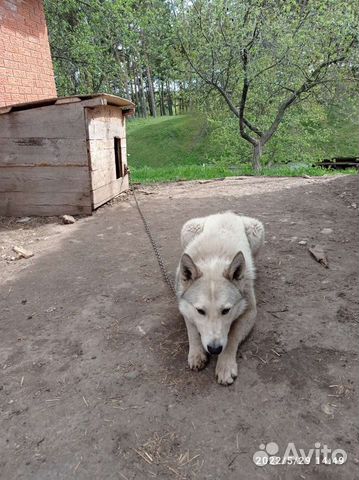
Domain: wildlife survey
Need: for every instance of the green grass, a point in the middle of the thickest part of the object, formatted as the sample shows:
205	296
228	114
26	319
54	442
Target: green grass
183	147
163	141
206	172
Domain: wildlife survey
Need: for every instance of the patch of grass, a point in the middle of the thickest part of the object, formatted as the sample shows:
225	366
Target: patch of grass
164	141
187	147
207	172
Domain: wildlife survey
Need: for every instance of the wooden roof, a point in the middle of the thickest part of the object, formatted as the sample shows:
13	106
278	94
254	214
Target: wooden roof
86	101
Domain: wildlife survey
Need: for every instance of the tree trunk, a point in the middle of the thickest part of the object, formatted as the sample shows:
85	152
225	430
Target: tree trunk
134	84
190	103
169	100
162	100
175	96
181	101
136	97
132	92
257	153
151	92
142	96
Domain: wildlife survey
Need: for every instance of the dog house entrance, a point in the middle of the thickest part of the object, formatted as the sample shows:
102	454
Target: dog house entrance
118	157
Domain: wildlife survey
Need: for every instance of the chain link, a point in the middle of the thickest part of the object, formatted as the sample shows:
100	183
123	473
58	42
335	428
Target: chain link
159	258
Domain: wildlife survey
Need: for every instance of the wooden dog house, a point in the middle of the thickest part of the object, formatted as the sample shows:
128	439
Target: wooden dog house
62	155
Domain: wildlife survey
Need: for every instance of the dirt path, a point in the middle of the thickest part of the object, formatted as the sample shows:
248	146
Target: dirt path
94	382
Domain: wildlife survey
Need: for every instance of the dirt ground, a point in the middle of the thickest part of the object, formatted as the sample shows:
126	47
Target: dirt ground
94	382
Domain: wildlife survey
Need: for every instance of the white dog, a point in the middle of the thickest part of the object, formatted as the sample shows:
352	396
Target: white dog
215	287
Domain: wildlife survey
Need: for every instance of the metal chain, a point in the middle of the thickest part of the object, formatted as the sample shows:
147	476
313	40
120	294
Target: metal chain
153	243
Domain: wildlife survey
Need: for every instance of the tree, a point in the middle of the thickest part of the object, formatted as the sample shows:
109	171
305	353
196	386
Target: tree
265	56
84	38
116	46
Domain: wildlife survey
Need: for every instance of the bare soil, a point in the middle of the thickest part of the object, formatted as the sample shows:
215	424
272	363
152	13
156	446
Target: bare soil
94	381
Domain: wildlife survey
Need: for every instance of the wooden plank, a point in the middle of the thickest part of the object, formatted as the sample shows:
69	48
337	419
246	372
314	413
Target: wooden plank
5	110
107	173
96	99
33	104
20	203
107	192
94	102
29	151
102	153
63	100
119	101
51	121
44	179
100	178
104	122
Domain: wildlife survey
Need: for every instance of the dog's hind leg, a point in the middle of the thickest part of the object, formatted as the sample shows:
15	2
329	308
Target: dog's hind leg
191	229
255	233
226	368
197	357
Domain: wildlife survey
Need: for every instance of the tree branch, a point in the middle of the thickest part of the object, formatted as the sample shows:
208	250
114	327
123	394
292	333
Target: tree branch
227	99
311	82
70	60
258	74
252	127
242	105
211	82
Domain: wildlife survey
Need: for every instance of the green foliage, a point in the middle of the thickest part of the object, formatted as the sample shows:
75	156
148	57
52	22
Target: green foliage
84	38
285	41
309	133
303	139
187	53
229	147
106	45
261	58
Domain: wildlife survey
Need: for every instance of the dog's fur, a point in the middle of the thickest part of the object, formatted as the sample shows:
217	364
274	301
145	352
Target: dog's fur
215	287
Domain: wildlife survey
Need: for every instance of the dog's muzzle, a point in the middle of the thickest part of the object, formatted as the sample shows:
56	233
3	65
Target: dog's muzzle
214	350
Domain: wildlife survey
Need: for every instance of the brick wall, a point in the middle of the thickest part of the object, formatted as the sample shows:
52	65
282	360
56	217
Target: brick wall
26	71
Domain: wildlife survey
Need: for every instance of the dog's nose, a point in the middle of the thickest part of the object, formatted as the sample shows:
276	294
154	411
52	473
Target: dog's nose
213	350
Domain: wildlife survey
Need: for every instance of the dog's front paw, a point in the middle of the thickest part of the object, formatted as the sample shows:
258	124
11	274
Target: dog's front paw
197	360
226	371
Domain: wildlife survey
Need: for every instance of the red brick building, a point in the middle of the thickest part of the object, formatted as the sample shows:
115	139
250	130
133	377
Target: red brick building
26	71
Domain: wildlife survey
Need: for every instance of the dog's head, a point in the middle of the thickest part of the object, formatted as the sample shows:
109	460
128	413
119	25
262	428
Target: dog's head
212	298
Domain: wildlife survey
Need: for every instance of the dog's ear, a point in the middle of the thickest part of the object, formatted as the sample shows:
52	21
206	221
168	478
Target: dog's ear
236	269
189	270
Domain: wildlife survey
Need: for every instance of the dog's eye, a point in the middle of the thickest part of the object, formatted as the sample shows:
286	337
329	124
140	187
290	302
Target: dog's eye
225	311
201	311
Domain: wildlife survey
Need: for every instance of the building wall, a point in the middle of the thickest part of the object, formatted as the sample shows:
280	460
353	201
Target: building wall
26	71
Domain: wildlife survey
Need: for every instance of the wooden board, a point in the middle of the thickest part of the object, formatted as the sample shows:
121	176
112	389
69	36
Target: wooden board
52	121
63	100
30	151
102	153
5	110
95	99
44	179
104	122
102	177
109	191
20	203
